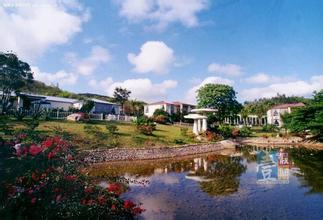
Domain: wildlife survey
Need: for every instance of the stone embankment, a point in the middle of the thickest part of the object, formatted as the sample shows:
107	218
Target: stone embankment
119	154
290	141
128	154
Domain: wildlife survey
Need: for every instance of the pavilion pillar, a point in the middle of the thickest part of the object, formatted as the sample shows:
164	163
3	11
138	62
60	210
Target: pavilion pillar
204	124
199	126
195	127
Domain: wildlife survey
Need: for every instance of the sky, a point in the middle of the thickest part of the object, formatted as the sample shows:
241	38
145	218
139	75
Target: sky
167	49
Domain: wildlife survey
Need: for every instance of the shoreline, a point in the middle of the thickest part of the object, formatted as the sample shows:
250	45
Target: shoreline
126	154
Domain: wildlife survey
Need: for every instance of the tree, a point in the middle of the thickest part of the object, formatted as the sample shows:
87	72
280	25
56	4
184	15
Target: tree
220	97
306	118
121	96
133	107
14	75
87	106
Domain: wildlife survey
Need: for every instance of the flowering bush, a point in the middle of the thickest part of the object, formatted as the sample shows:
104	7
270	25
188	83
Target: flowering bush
145	125
42	181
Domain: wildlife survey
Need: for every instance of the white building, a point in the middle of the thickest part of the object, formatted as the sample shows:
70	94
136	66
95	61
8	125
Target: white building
170	107
274	113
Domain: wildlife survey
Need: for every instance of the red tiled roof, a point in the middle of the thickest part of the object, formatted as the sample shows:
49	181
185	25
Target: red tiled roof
288	105
169	103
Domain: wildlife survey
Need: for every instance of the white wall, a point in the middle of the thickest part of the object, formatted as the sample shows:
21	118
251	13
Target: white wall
271	117
150	109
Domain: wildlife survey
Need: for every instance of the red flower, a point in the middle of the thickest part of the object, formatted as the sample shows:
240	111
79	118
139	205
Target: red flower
113	207
88	190
58	198
137	210
47	143
128	204
70	177
83	202
34	150
69	157
114	188
102	200
50	155
33	200
34	176
90	202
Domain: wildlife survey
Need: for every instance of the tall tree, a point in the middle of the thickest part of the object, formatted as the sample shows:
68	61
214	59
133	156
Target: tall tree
121	95
14	75
307	118
221	97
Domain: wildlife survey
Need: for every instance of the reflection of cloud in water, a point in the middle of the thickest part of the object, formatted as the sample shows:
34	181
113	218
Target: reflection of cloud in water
158	206
167	179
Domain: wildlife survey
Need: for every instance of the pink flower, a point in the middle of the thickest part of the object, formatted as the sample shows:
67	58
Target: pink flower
34	150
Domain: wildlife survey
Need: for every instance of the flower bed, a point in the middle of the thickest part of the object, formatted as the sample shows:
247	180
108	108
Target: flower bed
42	181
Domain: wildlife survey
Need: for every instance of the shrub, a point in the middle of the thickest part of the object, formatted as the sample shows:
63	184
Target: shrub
245	131
112	129
158	112
270	128
44	182
212	136
235	132
145	125
161	119
225	130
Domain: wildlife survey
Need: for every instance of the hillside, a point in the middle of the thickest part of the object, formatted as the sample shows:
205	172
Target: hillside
41	88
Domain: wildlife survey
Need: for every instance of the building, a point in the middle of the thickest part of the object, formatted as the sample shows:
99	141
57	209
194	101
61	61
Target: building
251	119
169	107
104	107
274	113
64	104
47	102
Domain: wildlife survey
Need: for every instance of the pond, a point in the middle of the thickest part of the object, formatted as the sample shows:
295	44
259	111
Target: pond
244	183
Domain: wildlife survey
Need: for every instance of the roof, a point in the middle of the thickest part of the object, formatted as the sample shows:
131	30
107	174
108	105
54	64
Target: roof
60	99
169	103
52	98
103	102
288	105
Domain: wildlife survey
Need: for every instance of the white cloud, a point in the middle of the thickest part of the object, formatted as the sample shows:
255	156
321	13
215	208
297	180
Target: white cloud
297	88
141	89
154	56
263	78
88	65
191	94
226	69
32	28
62	77
160	13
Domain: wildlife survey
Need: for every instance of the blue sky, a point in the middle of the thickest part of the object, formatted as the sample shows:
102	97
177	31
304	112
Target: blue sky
166	50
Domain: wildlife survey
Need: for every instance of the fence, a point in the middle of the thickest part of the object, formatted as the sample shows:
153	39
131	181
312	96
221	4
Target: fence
101	117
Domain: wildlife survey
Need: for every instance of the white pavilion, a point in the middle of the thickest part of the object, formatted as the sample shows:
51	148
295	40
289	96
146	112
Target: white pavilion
200	119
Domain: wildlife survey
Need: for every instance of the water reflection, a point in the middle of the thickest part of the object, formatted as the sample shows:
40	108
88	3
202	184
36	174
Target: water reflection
215	184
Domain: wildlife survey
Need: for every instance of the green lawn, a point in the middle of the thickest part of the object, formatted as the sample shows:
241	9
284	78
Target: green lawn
127	135
257	132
